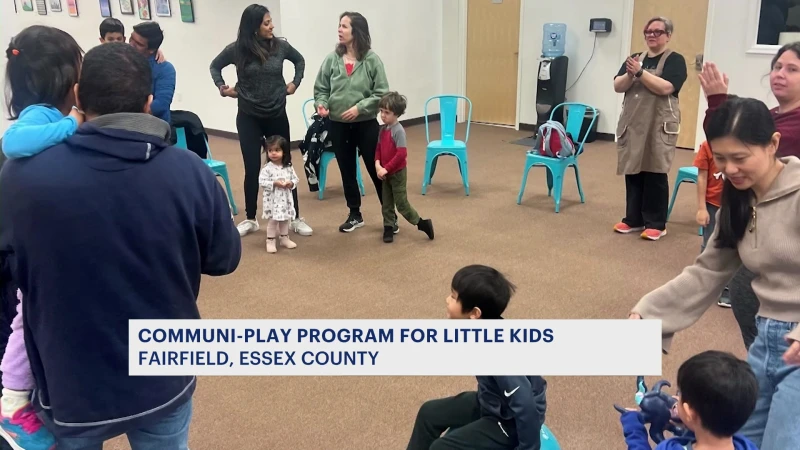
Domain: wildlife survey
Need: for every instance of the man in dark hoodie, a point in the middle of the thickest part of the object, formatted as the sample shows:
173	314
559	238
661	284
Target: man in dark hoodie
506	412
112	225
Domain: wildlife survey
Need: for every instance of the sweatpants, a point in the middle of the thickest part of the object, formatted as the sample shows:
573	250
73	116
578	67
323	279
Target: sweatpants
349	139
647	200
745	304
251	129
396	196
468	429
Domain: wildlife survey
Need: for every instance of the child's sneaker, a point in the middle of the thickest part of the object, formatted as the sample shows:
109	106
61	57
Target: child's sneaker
388	234
20	427
653	234
623	228
286	242
426	226
271	248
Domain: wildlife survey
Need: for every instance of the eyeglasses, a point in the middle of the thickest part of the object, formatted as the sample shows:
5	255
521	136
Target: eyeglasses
655	33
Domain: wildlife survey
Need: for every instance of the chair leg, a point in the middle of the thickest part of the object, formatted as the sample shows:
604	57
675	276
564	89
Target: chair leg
426	176
674	196
323	173
464	174
223	172
524	182
433	168
360	179
578	178
558	184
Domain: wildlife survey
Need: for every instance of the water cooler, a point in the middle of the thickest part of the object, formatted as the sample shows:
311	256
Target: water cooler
551	85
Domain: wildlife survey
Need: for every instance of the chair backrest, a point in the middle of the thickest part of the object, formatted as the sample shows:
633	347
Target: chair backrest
305	115
180	133
576	113
448	116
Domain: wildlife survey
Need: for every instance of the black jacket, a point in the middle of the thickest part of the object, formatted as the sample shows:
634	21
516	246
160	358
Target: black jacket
518	400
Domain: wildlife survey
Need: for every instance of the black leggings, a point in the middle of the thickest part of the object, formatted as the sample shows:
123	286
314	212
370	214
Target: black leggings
345	138
647	200
745	304
251	130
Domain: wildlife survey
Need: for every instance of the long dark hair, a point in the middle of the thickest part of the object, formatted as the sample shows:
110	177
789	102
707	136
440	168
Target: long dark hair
249	44
281	142
43	67
362	42
750	122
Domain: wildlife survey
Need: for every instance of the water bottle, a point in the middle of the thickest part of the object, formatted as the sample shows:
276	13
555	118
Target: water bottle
553	40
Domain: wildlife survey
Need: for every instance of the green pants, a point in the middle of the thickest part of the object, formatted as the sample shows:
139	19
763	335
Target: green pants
395	195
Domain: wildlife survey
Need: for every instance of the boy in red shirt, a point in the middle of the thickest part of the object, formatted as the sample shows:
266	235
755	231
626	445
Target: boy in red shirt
390	162
709	195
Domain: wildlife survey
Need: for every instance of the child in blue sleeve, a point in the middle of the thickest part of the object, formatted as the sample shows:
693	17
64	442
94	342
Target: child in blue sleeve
42	81
506	412
41	73
718	393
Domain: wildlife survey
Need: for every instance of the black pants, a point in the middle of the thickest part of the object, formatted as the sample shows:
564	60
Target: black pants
647	200
347	139
467	429
745	304
251	130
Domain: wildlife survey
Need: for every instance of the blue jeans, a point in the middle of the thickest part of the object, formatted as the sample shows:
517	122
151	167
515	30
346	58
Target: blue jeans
774	423
712	222
171	433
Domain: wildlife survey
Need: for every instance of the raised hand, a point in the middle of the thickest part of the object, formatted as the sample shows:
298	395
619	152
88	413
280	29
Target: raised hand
712	80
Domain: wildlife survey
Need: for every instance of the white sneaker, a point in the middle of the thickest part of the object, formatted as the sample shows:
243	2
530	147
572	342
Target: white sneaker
300	227
246	227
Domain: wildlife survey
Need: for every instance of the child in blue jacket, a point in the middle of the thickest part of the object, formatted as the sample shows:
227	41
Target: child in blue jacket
506	412
718	393
42	72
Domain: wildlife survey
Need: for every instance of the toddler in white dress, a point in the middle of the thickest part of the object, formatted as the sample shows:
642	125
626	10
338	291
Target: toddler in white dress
278	178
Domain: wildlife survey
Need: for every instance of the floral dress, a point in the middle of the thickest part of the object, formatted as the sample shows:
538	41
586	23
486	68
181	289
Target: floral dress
278	202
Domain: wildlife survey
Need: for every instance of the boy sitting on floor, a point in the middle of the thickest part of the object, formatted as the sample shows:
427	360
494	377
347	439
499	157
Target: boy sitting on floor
506	412
718	393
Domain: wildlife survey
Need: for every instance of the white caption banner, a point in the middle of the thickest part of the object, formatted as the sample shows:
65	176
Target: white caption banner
395	347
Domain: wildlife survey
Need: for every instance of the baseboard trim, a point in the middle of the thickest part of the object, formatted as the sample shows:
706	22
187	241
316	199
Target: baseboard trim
296	144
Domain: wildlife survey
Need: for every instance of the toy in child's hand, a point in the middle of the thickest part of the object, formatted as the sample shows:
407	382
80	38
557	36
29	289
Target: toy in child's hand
656	409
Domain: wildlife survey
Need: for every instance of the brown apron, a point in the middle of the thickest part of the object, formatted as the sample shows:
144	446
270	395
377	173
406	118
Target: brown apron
648	128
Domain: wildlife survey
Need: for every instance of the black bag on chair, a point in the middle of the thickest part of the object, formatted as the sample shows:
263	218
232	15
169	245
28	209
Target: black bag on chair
196	136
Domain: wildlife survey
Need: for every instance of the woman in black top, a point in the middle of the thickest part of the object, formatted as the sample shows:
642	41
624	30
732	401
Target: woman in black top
261	91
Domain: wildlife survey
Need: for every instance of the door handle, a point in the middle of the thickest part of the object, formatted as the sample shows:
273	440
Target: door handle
698	62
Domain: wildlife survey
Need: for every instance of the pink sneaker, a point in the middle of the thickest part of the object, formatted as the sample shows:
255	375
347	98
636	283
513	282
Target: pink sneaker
24	431
623	228
653	234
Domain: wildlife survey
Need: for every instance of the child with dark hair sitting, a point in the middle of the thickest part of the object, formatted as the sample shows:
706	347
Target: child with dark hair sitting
506	412
717	394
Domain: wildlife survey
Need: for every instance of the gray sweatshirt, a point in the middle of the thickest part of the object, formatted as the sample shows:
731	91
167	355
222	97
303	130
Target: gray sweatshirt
261	87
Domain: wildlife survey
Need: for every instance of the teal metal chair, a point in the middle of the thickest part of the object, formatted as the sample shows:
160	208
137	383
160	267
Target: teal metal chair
219	168
557	167
326	158
447	143
685	175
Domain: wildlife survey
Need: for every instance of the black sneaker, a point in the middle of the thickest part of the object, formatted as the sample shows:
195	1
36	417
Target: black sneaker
426	225
353	222
388	234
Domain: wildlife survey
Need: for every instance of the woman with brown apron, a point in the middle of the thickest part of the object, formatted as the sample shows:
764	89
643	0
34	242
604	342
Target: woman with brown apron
648	129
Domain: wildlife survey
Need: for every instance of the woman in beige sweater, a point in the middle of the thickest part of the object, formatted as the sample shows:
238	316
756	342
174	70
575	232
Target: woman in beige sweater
757	226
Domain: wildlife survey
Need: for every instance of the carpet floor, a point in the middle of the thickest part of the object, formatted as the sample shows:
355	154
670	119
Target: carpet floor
334	275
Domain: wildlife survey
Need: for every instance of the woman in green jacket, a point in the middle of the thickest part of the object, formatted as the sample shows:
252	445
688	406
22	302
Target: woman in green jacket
349	86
